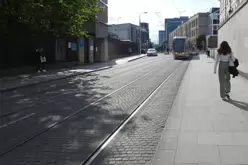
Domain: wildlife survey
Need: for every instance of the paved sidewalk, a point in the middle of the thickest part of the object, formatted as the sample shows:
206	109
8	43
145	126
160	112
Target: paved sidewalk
10	83
202	129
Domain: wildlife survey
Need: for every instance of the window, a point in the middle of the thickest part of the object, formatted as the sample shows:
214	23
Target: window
215	27
215	32
216	21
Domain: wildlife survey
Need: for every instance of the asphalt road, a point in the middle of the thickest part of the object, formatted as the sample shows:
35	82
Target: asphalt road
64	121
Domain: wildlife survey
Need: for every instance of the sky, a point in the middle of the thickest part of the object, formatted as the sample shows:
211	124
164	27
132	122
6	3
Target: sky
127	11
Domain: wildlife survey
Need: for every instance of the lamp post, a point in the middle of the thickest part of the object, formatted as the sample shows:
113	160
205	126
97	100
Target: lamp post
140	31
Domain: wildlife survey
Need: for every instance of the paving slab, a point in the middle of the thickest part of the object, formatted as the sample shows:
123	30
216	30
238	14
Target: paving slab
202	129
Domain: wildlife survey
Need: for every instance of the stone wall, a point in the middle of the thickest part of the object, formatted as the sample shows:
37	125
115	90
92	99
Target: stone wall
235	32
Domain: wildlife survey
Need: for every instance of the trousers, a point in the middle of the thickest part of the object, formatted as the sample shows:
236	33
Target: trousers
224	78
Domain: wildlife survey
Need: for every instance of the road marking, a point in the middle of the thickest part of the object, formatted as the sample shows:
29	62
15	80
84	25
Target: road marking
18	120
107	140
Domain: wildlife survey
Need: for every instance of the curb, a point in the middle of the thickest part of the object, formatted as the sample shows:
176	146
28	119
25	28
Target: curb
136	58
49	80
59	78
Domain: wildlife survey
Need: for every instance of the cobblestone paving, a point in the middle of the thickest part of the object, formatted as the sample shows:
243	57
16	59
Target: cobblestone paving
81	93
137	142
72	141
16	100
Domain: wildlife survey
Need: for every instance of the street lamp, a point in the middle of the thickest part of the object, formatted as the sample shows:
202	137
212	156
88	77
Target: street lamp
140	31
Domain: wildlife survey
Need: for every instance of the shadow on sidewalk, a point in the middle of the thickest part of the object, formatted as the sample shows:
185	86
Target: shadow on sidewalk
243	74
239	104
196	57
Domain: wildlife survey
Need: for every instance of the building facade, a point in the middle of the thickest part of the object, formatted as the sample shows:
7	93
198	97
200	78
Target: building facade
233	29
94	48
145	33
130	32
63	48
214	21
125	32
171	24
195	26
161	37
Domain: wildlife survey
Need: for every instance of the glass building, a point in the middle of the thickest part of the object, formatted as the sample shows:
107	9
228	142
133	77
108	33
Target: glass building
171	24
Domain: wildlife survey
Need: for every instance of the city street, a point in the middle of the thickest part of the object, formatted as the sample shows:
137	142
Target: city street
112	116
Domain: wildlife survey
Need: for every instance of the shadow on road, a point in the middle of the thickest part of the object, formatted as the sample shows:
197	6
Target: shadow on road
70	141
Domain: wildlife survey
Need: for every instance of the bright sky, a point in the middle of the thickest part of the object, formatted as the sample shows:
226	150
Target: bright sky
127	11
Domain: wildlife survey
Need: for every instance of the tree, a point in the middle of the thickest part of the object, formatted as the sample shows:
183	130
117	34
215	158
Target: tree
54	16
201	42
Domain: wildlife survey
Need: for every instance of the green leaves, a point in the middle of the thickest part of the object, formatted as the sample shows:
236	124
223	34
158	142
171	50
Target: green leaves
200	40
55	16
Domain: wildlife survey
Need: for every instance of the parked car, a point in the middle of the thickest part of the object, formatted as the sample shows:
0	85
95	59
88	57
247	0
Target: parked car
152	52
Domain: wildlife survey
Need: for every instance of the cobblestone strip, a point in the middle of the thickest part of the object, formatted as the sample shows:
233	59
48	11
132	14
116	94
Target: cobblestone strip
78	96
22	99
73	140
137	143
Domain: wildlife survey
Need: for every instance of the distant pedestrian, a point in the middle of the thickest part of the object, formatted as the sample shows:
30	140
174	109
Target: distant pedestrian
168	51
225	59
42	60
129	51
208	53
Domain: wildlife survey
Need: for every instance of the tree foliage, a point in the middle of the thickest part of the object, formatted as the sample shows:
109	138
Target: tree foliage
54	16
199	42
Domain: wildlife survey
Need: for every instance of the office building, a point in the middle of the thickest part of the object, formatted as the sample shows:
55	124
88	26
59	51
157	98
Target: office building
161	37
171	24
129	32
196	25
125	32
146	34
94	48
214	21
234	29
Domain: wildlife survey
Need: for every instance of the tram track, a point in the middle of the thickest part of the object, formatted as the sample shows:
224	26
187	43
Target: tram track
112	135
60	95
72	114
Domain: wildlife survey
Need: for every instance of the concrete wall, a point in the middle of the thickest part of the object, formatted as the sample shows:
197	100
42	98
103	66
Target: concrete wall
103	17
118	49
135	34
101	30
235	31
101	26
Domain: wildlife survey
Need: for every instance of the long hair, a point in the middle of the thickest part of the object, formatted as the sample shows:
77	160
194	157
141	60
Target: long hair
224	48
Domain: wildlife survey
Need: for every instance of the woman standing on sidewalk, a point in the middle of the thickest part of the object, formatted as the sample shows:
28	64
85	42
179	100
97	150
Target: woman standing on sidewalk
225	59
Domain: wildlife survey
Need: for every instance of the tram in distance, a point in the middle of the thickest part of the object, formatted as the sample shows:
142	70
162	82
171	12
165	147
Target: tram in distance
180	48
